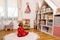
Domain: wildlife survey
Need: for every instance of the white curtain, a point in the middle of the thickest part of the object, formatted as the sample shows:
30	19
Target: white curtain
8	9
2	8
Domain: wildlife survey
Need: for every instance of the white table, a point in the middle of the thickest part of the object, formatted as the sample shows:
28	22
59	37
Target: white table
13	36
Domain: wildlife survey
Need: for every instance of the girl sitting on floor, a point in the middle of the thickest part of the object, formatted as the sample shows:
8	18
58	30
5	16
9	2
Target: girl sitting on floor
21	31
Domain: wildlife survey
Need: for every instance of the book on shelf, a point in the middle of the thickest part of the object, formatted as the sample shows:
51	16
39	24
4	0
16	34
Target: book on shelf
49	22
43	22
45	28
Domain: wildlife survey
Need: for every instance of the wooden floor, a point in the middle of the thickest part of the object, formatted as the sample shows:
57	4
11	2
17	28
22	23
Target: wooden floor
42	35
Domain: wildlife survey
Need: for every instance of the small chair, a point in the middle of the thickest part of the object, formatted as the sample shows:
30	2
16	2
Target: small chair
9	26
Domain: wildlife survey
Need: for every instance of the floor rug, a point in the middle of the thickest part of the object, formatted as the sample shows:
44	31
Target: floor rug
13	36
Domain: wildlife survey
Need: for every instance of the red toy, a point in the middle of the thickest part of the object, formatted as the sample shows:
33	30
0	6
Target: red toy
21	31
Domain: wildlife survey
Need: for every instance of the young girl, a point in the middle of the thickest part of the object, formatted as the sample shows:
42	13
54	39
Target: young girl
21	31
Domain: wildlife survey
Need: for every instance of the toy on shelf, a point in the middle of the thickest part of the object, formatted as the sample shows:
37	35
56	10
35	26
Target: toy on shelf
27	23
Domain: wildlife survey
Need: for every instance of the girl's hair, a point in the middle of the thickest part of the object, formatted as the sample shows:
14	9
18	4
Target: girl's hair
20	24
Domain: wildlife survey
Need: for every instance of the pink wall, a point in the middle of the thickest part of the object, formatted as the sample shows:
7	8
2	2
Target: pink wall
56	31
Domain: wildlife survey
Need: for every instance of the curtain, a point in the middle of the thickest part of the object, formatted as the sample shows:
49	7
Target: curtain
2	8
8	9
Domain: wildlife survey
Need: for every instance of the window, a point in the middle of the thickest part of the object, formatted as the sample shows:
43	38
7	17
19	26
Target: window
1	12
1	8
12	12
8	9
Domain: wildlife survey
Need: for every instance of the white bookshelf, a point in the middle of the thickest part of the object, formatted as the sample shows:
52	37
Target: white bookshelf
46	20
49	20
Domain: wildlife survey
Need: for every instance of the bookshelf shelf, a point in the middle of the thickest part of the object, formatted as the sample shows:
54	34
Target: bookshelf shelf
47	26
49	11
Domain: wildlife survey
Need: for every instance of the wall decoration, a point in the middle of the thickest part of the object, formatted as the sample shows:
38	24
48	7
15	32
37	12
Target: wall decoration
28	10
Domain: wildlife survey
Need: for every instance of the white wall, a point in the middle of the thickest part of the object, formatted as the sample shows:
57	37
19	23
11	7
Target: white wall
56	2
32	15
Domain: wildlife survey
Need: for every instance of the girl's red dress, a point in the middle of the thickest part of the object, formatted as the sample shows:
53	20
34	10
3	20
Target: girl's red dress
21	32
